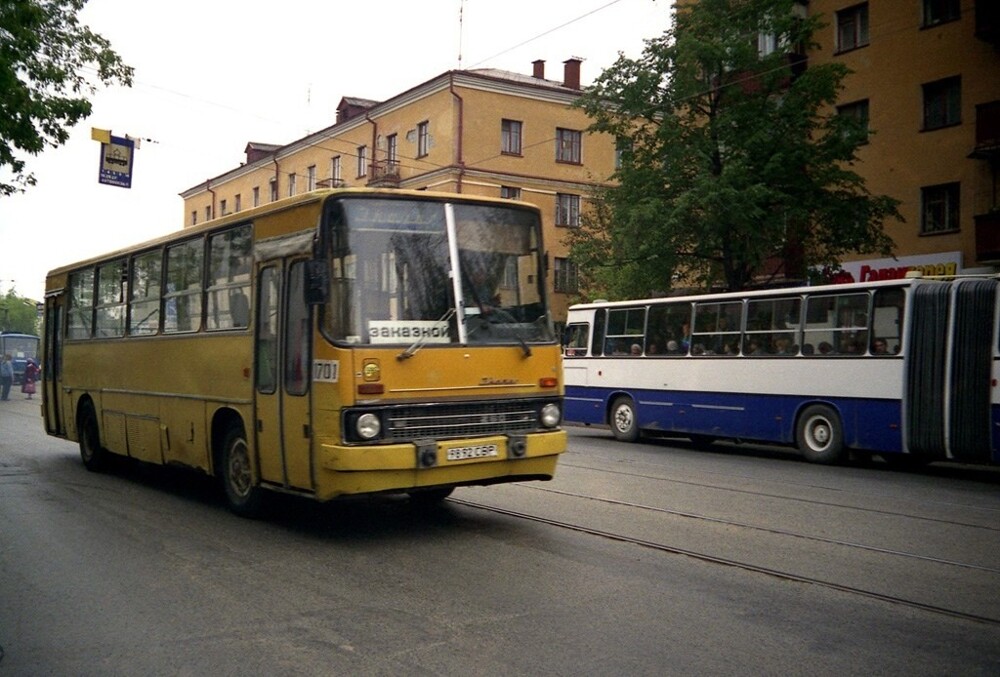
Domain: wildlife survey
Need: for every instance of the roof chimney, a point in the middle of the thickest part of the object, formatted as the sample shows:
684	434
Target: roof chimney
571	72
538	69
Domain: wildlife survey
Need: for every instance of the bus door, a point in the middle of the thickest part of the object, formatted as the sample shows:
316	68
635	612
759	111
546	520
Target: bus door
52	366
283	335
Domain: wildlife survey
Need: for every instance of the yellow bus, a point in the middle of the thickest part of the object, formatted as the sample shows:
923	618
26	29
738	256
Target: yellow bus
335	343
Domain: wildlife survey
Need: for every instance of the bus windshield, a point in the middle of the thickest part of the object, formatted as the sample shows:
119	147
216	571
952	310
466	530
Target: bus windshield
406	271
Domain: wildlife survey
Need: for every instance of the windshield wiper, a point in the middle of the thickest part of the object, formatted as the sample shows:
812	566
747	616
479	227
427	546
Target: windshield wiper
418	344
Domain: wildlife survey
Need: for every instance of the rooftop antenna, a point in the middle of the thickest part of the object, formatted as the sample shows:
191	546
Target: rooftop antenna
461	11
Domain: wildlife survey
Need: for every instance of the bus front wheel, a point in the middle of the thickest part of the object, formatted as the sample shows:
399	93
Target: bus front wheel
819	435
244	496
624	423
94	456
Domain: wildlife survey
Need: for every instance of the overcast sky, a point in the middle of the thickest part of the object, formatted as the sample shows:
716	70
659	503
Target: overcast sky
211	76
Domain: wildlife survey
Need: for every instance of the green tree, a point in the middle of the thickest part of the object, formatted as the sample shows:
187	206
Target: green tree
733	164
18	314
44	52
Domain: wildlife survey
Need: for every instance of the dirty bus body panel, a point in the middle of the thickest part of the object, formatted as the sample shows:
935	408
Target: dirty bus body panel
328	344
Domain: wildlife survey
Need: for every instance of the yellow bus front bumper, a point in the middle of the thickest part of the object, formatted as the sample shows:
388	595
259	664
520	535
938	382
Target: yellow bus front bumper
343	470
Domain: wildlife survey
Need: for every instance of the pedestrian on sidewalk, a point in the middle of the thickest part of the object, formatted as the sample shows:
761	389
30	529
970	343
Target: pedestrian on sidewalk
31	373
6	376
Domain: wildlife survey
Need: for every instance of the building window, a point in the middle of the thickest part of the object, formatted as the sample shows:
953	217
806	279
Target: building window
208	213
510	274
273	184
222	208
423	139
767	44
392	150
568	145
510	137
256	196
857	110
311	177
510	192
291	184
623	146
194	217
943	103
940	11
362	161
852	27
939	209
238	200
567	210
335	170
566	276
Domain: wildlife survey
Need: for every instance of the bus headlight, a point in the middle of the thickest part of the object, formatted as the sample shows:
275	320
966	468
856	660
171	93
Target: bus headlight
550	415
368	426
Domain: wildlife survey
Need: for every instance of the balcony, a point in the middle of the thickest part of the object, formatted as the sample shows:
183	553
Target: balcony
988	237
988	21
384	174
751	82
987	132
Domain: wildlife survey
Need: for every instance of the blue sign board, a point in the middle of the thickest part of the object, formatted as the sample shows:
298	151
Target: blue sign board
116	162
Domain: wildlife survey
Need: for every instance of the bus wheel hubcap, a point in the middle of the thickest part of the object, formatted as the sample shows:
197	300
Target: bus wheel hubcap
239	469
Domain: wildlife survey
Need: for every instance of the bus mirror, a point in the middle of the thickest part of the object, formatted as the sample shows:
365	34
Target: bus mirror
317	281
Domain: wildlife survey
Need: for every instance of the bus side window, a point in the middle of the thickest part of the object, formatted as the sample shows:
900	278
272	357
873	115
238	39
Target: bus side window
887	321
576	340
597	341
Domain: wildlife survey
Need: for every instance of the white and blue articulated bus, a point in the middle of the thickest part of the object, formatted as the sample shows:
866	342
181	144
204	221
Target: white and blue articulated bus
906	369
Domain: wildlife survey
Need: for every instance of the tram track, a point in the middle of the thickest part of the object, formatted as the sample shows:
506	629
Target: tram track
796	499
770	530
736	563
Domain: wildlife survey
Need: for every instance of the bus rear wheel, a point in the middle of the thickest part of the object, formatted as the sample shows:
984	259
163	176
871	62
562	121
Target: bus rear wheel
243	494
93	455
819	435
624	424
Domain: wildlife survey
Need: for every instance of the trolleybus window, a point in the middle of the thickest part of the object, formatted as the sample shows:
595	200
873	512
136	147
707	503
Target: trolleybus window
144	311
182	300
773	327
229	279
670	327
716	328
111	288
395	280
81	304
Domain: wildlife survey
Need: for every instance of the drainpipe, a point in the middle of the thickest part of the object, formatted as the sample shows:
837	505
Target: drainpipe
371	160
459	158
277	176
208	187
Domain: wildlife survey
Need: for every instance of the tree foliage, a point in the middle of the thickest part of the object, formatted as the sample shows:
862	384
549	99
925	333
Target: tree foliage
44	56
18	314
733	164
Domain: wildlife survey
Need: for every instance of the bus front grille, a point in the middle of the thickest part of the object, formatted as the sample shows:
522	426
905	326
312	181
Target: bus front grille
461	420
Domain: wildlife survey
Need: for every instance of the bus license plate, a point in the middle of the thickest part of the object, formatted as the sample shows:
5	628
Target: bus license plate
477	451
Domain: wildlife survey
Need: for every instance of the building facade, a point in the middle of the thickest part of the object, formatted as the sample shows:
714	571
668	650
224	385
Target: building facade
926	77
481	132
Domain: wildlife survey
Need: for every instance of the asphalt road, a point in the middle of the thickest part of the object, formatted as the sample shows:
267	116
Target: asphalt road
647	559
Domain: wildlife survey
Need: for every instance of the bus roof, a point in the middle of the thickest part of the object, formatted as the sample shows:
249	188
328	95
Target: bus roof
777	291
315	196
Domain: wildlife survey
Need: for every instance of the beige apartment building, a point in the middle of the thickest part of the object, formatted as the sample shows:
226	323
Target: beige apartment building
481	132
926	76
